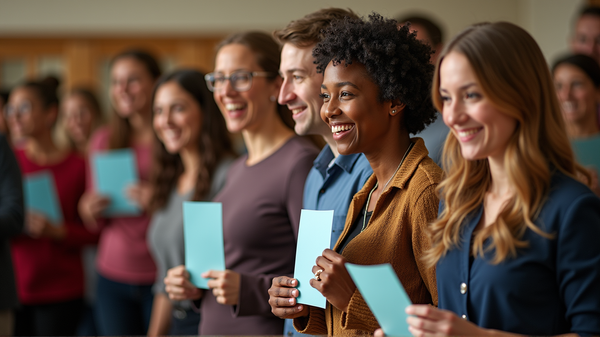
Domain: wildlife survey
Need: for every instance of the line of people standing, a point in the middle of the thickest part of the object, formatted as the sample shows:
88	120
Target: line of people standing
364	87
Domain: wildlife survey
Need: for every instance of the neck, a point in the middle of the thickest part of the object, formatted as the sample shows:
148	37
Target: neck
328	138
191	165
42	149
500	183
583	130
141	127
264	139
385	159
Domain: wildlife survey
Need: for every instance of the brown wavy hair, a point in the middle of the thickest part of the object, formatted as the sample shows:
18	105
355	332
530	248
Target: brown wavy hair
120	129
214	143
513	74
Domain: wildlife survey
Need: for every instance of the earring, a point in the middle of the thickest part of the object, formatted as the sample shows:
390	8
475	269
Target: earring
273	98
393	112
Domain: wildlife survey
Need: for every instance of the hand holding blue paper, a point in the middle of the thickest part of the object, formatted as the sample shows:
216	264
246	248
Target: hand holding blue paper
314	236
203	238
384	294
113	172
41	196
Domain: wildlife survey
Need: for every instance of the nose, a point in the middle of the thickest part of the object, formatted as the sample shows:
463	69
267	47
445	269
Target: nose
228	90
286	93
564	93
453	114
329	110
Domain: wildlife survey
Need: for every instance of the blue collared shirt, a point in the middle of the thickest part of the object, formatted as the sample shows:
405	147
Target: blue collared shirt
331	187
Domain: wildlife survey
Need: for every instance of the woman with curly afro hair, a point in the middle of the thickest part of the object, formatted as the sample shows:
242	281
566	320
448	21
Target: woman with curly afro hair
375	90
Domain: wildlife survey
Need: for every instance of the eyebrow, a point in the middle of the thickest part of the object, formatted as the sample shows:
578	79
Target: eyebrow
466	86
341	84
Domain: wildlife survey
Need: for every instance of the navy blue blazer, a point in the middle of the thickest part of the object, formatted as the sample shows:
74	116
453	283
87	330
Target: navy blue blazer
551	287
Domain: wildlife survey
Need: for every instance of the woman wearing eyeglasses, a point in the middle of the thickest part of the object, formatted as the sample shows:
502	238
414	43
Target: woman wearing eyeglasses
47	257
262	197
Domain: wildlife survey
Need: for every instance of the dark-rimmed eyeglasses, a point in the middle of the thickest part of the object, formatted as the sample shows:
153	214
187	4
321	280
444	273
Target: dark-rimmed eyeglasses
17	110
240	80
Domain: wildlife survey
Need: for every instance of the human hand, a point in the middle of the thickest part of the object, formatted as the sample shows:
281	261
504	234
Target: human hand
379	333
282	298
90	207
140	193
178	285
37	226
225	285
427	320
335	284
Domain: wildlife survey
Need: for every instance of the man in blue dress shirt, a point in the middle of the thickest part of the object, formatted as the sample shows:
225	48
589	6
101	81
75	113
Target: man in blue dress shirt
334	178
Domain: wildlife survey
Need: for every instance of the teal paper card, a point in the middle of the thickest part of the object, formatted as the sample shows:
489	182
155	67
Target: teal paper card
203	238
41	196
587	152
113	171
314	236
384	294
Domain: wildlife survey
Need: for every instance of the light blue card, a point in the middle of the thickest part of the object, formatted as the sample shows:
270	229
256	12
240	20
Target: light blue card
314	236
41	196
384	294
203	237
113	172
587	151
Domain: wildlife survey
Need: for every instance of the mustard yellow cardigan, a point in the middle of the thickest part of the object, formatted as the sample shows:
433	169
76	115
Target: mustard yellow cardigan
396	234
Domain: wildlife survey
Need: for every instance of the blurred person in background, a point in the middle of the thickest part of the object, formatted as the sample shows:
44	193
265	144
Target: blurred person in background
262	197
47	257
81	116
586	35
3	101
12	217
192	153
126	269
577	83
431	33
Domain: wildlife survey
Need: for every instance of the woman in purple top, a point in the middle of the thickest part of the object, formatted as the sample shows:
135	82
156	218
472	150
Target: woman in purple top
262	197
126	270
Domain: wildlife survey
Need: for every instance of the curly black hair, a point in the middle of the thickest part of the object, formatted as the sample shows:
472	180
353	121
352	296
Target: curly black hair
395	60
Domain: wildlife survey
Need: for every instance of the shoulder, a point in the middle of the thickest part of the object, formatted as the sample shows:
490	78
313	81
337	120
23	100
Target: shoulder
99	140
428	173
299	147
569	199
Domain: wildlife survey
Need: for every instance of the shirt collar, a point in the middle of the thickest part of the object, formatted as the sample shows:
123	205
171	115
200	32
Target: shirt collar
414	157
345	162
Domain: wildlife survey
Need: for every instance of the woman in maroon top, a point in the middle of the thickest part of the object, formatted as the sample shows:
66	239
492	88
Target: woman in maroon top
262	197
47	257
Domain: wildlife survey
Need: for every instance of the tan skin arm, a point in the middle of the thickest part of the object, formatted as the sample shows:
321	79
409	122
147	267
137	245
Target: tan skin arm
160	320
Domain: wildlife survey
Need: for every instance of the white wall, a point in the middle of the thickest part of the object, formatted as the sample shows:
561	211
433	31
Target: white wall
548	20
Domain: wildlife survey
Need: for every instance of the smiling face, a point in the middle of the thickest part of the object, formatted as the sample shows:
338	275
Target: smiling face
78	118
177	118
576	93
130	87
351	109
481	128
301	90
248	109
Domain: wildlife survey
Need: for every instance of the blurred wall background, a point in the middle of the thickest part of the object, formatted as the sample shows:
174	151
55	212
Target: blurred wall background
74	39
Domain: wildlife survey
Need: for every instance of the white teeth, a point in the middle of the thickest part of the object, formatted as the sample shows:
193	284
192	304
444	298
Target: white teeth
171	134
569	106
340	128
234	106
467	132
297	111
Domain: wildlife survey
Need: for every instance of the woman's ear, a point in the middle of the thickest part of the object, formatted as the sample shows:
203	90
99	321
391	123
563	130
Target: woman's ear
396	107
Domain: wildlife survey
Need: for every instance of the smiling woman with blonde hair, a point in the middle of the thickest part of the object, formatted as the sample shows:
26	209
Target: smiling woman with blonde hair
515	244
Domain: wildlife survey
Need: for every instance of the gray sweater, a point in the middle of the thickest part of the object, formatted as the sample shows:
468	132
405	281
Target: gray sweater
165	234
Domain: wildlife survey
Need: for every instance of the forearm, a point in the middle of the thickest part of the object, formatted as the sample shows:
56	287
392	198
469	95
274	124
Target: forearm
160	319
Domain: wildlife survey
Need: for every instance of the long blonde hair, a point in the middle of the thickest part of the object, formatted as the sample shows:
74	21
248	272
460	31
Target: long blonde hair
513	74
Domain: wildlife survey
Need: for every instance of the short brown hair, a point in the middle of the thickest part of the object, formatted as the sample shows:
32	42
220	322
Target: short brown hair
308	30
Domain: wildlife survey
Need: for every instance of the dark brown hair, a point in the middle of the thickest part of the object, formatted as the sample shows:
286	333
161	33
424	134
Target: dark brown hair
309	29
268	57
213	143
120	129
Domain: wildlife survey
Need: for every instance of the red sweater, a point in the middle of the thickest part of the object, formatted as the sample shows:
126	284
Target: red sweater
47	270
